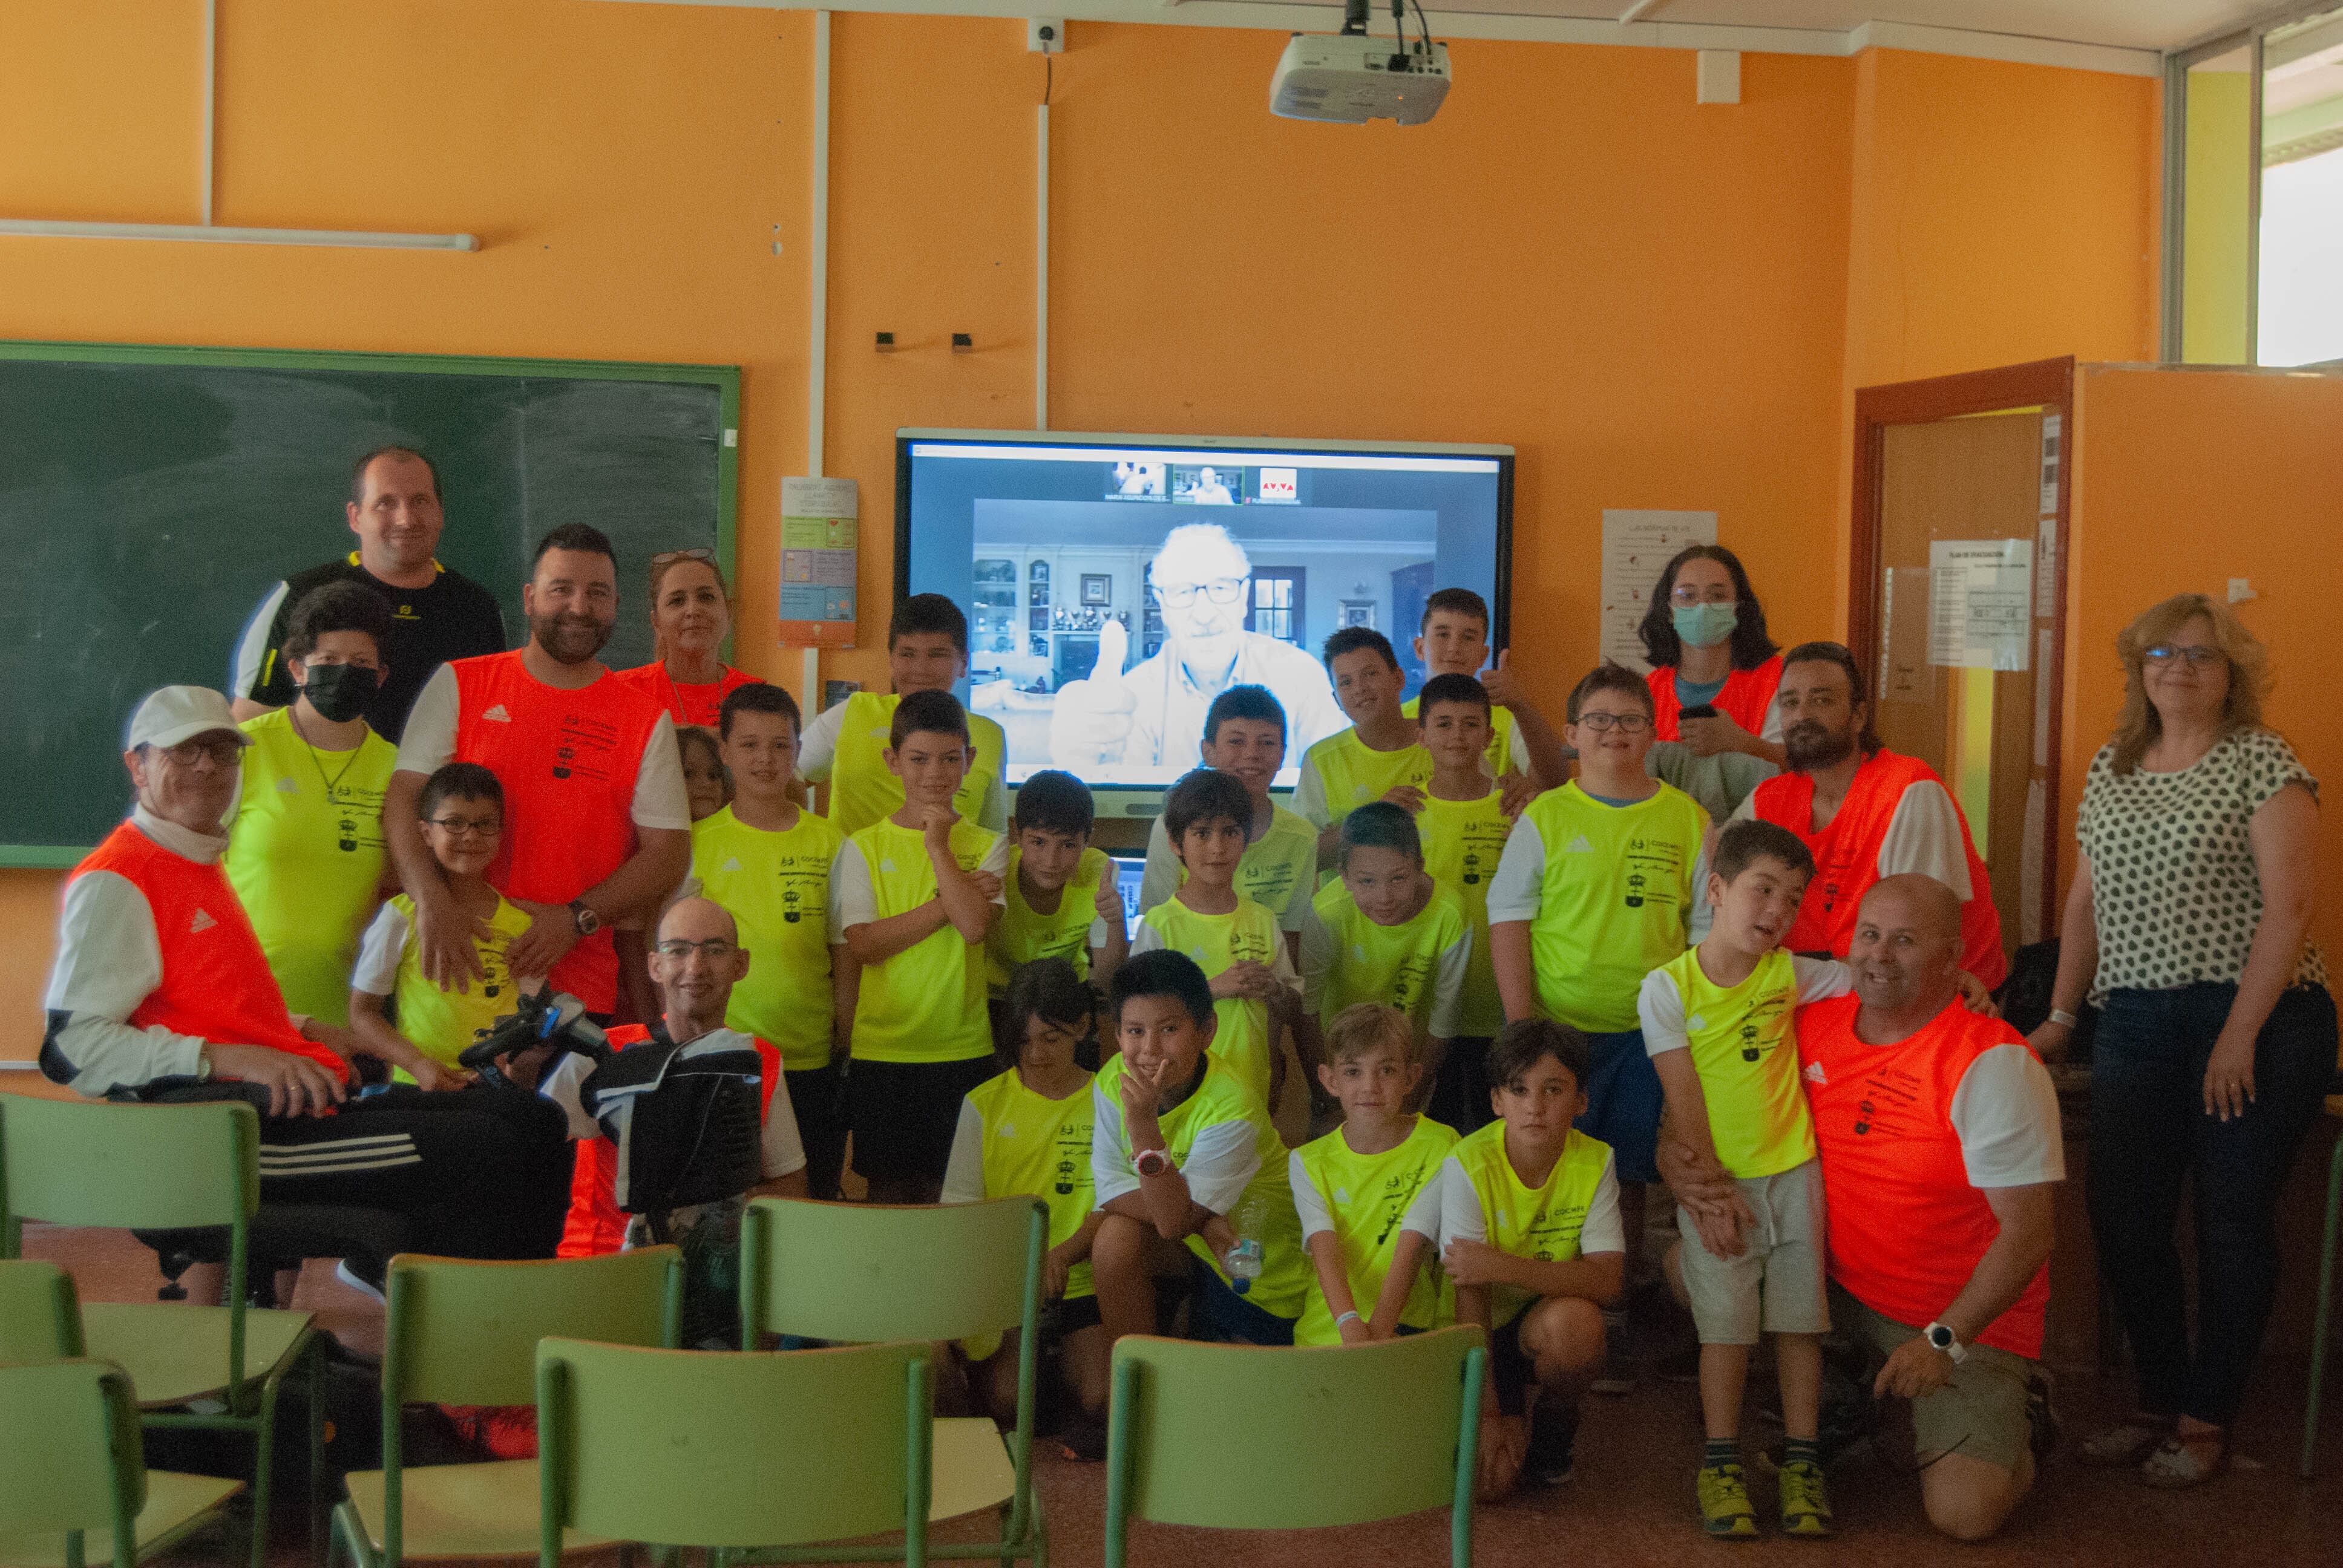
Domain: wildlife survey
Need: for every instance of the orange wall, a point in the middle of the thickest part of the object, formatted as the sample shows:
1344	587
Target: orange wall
2187	478
1659	304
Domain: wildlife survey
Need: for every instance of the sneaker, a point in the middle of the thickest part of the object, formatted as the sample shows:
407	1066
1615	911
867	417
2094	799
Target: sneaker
1553	1437
1618	1375
363	1275
1806	1502
2043	1427
1724	1498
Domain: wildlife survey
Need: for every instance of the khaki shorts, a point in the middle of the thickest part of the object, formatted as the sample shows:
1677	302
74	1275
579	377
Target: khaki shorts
1775	1285
1980	1415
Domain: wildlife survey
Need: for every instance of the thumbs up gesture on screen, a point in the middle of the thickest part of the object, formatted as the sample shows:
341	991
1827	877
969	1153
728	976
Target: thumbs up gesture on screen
1091	720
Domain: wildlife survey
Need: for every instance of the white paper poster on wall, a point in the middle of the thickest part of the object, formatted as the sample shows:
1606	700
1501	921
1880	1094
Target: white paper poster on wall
1980	603
1635	545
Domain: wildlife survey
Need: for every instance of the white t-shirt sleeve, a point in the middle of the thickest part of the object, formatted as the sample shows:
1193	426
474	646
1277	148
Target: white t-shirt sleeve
1702	915
108	962
1819	980
2007	1113
1147	939
1423	1213
1310	796
1221	1160
660	800
1515	892
852	900
1309	1203
379	951
1110	1173
1461	1216
1660	1010
1448	986
1924	836
784	1149
1162	878
252	647
964	1170
1603	1231
996	861
428	742
818	747
1770	727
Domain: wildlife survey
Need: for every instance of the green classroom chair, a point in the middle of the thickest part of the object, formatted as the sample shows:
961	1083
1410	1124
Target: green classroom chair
1327	1436
170	1167
754	1455
866	1273
459	1331
40	1316
72	1483
2322	1321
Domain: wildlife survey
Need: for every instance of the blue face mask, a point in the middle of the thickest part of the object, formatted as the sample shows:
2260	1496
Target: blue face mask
1704	625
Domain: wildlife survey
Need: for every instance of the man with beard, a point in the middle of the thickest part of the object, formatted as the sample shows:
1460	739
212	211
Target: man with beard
1865	813
597	824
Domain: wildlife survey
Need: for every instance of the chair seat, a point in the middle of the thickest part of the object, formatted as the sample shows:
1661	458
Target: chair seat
972	1469
175	1352
174	1503
461	1511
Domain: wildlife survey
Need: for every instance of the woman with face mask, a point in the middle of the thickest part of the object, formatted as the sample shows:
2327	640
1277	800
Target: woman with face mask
305	835
1714	669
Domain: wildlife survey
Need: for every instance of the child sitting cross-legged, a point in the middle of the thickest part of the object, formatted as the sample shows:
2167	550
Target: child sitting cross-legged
1368	1194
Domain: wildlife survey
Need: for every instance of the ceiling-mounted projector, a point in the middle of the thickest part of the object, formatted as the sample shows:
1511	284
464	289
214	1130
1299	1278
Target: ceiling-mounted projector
1349	78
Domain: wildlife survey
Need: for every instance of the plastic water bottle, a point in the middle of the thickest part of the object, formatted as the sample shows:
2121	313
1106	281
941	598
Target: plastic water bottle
1244	1264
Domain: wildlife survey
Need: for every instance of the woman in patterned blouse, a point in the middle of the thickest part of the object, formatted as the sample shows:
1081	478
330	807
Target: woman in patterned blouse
2187	925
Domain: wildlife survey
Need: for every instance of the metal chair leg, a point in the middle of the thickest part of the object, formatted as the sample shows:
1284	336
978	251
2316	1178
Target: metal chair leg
2326	1303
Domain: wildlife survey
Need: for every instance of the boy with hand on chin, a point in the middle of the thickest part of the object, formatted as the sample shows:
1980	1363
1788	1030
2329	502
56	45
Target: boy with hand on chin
1245	736
1454	640
1378	758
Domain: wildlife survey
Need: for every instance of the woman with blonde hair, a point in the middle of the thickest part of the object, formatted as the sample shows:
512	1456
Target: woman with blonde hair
692	615
2188	924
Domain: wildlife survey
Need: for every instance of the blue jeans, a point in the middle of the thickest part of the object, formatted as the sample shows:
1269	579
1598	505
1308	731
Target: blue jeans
2148	1130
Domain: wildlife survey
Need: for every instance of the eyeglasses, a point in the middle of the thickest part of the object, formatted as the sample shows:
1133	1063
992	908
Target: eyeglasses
716	949
469	828
1624	723
1688	596
2195	655
224	752
1220	590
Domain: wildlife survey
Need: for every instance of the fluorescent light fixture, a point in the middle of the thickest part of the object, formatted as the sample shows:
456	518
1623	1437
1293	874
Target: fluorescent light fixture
217	233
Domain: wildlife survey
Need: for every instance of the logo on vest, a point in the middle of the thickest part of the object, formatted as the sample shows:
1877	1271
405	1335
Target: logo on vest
731	863
201	924
1578	846
1748	1042
288	786
497	713
1814	1074
1863	1112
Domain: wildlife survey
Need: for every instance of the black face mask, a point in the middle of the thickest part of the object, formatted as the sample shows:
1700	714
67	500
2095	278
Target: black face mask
339	692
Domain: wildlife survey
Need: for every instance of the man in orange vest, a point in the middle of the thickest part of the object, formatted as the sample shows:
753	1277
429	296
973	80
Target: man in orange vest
160	991
1865	813
1938	1133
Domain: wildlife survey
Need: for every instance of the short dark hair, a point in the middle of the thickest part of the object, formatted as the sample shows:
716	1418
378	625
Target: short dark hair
1745	843
1460	690
1046	989
1254	702
1352	639
1205	794
336	607
1054	801
358	471
583	537
931	613
1166	971
1526	1041
460	781
757	697
1456	601
929	713
1379	825
1866	738
1751	644
1610	676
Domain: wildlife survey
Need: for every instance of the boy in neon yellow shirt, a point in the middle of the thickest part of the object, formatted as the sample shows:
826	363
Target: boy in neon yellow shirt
1379	758
1234	941
768	860
913	898
1355	1188
1464	825
1453	639
1384	932
1531	1238
1063	898
1244	734
463	812
1183	1152
1029	1132
1718	1023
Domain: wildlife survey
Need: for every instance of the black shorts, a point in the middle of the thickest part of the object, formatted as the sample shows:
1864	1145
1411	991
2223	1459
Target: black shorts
1510	1368
1063	1317
816	1098
904	1114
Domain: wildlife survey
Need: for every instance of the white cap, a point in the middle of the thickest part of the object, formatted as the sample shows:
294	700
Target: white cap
177	713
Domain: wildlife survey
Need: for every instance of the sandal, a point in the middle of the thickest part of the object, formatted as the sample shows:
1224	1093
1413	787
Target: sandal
2128	1443
2180	1462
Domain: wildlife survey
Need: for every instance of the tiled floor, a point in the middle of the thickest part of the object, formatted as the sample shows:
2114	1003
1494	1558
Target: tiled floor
1631	1501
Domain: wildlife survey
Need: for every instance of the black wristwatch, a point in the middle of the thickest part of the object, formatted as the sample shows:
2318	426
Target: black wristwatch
586	921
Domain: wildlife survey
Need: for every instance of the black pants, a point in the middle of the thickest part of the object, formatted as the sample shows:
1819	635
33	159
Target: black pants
818	1097
2148	1129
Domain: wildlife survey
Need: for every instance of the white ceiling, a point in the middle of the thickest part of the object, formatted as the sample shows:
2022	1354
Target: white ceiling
2124	24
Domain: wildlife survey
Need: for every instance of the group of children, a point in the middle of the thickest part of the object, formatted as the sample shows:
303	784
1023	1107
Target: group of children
933	990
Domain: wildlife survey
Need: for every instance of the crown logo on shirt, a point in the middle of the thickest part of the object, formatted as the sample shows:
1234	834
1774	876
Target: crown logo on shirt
1579	845
497	712
201	924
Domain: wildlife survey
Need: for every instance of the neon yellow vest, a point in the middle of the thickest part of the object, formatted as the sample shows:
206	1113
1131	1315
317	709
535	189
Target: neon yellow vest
1541	1222
861	789
1745	1046
1616	902
1462	842
777	887
1394	965
927	1003
442	1024
1041	1146
1023	934
1367	1196
1248	934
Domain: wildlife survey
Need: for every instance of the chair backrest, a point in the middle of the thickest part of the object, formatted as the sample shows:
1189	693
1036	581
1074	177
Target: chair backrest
69	1455
866	1273
459	1331
734	1448
40	1317
1248	1438
156	1167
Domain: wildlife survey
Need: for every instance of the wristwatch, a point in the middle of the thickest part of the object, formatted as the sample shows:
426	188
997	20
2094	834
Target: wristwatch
1152	1162
203	1064
1944	1340
586	921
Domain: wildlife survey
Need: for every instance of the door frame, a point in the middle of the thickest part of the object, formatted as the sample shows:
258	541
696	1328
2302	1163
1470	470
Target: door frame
2046	384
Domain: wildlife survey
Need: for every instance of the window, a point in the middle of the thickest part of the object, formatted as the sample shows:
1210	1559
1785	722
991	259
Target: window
1277	606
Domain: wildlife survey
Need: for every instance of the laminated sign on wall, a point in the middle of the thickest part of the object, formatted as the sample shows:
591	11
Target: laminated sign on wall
1980	603
819	550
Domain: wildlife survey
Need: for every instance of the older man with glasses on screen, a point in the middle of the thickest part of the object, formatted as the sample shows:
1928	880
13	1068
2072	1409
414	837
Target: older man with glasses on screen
1153	714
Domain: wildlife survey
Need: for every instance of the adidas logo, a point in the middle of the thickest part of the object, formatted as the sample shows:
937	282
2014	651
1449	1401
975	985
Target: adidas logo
1341	1194
731	863
1579	845
1008	1129
286	787
886	867
499	713
1697	1022
1814	1074
202	923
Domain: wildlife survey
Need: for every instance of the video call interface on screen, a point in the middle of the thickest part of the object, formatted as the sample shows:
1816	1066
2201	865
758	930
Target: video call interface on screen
1196	569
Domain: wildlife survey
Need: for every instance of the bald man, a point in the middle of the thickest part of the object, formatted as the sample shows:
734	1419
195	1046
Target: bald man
1938	1133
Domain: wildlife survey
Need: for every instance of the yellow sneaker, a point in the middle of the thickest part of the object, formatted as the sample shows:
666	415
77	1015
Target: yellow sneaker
1724	1497
1806	1502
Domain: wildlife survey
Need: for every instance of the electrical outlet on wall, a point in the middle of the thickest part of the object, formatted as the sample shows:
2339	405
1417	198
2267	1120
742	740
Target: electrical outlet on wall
1045	34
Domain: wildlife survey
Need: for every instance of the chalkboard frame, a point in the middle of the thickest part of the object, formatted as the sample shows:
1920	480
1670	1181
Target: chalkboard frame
725	378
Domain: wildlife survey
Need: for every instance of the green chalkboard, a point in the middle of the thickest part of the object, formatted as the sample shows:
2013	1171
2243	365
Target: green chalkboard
150	496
